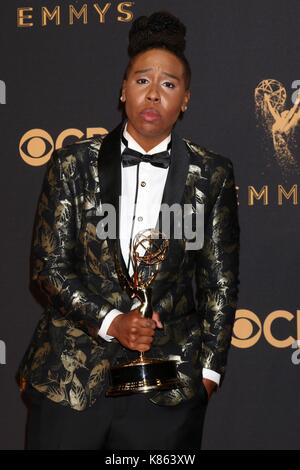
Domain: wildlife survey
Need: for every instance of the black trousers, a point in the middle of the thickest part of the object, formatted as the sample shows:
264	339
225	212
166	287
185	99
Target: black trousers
119	423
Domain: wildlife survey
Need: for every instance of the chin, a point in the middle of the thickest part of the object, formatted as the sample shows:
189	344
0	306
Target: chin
148	128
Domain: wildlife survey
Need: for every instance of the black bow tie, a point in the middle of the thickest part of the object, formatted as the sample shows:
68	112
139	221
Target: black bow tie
131	157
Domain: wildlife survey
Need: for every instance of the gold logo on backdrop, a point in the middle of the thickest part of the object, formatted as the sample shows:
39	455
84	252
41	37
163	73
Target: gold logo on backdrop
280	194
29	17
279	121
37	145
248	328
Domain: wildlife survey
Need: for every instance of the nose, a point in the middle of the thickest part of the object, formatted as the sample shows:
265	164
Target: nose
153	94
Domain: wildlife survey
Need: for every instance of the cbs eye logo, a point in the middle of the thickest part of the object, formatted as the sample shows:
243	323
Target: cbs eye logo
248	328
36	145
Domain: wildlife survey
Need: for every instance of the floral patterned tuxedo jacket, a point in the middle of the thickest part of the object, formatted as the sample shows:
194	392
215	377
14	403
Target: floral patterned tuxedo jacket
195	291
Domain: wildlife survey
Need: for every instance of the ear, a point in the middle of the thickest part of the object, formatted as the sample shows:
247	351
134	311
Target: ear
187	97
124	83
186	100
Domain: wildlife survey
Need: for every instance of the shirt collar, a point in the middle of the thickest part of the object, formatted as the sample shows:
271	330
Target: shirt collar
132	143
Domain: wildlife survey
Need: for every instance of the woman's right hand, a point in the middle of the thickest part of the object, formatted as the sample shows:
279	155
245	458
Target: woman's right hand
133	331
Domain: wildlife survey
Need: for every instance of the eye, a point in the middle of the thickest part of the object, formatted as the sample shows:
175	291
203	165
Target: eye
170	83
141	79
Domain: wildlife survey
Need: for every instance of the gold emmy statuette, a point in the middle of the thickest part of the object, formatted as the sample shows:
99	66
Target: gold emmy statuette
144	373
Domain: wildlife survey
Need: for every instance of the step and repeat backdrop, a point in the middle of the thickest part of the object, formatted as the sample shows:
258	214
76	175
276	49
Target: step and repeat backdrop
61	66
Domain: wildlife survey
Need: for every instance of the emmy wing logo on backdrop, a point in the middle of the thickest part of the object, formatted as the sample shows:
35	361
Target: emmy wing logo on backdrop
279	122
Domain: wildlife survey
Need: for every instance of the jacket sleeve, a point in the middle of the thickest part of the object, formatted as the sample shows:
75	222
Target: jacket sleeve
217	273
53	251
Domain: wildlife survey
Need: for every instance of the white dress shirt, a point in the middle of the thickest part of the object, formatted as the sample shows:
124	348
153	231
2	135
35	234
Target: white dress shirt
151	182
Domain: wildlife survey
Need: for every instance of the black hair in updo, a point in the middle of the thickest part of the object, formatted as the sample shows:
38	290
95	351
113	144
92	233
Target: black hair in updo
160	30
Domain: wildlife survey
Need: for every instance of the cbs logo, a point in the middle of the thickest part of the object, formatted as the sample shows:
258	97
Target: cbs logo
248	328
37	145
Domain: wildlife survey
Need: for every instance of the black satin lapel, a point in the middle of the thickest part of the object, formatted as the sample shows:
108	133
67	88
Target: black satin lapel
175	184
109	170
177	175
178	171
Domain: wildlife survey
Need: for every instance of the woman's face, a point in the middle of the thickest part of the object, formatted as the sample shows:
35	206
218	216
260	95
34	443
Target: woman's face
154	94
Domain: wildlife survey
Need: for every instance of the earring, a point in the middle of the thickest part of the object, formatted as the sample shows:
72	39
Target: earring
121	98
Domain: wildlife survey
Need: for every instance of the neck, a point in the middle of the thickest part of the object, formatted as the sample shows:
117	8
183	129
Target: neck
146	142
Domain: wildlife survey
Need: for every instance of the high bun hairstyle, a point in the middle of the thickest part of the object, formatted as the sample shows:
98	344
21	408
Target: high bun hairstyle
159	30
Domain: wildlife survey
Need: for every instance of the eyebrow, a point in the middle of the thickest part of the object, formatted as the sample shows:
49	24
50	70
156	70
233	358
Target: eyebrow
164	73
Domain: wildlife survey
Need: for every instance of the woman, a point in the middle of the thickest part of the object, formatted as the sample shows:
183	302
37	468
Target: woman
90	322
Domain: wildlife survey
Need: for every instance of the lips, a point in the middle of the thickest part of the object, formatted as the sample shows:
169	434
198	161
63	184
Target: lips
150	114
